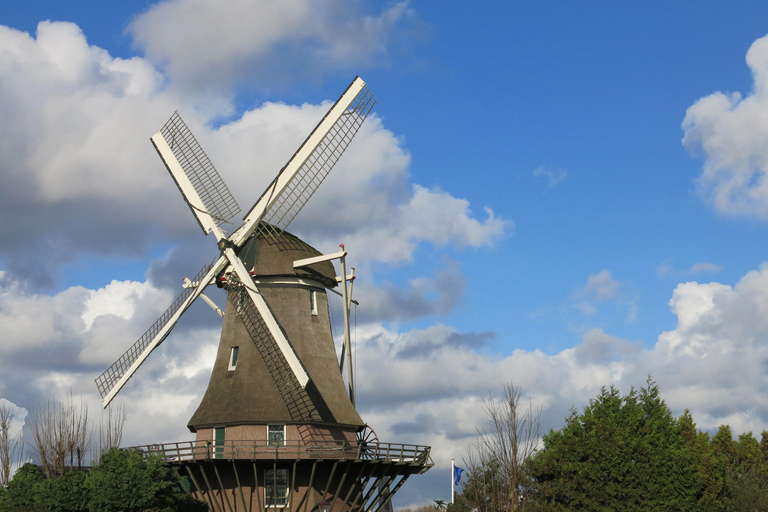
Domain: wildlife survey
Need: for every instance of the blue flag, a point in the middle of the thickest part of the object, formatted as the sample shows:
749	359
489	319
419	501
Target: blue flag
457	471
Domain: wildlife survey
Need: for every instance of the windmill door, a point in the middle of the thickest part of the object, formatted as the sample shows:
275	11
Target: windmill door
218	443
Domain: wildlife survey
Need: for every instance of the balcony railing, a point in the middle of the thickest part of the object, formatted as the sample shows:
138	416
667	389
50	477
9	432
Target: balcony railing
297	450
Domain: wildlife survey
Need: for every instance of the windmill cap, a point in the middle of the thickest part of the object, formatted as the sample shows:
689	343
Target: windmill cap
275	256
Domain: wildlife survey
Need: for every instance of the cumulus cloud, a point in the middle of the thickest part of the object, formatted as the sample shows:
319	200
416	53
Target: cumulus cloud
265	43
730	131
54	344
80	177
421	297
432	389
712	363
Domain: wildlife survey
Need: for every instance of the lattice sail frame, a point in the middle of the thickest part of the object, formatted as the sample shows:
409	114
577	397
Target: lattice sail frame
216	197
107	380
316	167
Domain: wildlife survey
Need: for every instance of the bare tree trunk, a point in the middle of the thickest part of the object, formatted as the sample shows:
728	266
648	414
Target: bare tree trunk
11	448
495	460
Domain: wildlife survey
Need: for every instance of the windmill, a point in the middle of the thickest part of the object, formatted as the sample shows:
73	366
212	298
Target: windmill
277	427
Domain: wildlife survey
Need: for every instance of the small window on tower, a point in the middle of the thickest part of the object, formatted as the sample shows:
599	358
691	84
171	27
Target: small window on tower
276	487
276	435
233	358
313	301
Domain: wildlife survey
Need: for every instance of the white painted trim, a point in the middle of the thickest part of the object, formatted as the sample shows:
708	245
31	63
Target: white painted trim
318	259
313	302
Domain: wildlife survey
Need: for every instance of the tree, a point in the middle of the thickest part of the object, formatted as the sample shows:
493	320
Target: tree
622	453
61	435
22	491
134	481
496	480
11	447
111	428
67	493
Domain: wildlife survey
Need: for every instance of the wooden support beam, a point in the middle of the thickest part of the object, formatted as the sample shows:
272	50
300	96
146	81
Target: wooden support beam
256	485
292	488
341	484
330	477
354	485
309	487
380	489
239	485
210	489
223	490
199	488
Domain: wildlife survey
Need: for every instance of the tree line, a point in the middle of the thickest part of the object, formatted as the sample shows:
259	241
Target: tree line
80	467
621	453
64	436
123	480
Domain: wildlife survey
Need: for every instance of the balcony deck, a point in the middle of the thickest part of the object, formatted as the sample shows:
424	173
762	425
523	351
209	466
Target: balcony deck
194	451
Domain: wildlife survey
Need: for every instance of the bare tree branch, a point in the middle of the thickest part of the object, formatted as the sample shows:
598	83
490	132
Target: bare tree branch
61	435
495	460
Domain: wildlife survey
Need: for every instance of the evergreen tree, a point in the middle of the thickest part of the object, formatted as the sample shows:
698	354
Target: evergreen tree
66	493
622	453
23	490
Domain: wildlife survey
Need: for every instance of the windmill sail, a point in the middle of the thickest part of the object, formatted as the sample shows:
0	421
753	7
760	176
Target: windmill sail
204	177
309	166
109	382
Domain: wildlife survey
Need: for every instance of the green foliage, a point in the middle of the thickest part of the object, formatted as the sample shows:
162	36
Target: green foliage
124	481
22	491
66	493
629	453
622	453
129	480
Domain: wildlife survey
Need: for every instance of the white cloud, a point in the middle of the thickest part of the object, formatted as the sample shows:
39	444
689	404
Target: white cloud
667	270
603	288
432	388
208	45
80	177
553	175
731	131
600	286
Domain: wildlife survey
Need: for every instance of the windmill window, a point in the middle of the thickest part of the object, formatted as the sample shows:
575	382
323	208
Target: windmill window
233	354
276	487
313	301
276	435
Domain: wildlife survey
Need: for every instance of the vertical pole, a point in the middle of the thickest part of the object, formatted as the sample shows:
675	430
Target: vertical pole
453	478
347	343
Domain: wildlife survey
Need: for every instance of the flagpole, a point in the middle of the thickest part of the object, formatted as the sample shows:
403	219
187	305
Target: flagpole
453	478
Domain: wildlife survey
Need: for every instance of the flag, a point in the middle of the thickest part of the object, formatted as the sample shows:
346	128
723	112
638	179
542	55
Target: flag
457	471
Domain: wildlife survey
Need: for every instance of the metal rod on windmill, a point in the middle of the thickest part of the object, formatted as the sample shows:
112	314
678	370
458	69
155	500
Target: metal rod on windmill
346	297
347	343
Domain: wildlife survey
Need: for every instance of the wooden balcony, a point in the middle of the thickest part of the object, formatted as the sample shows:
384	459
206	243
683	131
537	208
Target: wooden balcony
406	454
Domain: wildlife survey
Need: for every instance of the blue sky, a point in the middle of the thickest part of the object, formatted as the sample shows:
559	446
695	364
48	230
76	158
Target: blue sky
615	248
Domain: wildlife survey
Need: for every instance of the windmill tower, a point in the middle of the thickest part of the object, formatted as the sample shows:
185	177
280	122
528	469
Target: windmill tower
277	426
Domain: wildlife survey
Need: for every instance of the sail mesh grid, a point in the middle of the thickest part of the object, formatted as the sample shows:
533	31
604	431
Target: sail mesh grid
295	398
107	380
216	197
316	167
